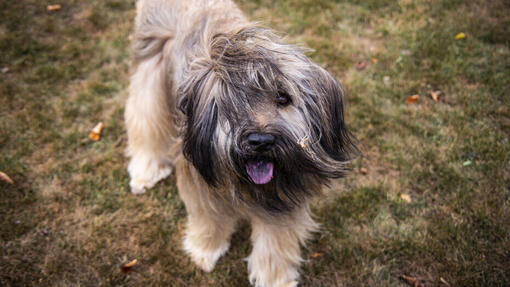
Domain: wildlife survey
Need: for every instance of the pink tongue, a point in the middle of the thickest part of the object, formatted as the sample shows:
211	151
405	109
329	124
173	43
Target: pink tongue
260	172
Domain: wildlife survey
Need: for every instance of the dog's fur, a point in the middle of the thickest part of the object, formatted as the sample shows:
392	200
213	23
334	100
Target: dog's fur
203	80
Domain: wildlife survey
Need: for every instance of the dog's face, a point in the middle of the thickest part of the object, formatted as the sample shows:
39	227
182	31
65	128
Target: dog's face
263	119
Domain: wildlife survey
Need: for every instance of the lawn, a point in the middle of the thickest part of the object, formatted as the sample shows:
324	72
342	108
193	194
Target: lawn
429	197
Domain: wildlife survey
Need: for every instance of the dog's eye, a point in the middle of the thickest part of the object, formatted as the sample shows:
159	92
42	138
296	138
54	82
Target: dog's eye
283	99
183	105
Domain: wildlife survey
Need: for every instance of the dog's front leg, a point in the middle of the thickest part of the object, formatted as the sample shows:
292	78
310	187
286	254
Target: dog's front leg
149	125
210	221
275	258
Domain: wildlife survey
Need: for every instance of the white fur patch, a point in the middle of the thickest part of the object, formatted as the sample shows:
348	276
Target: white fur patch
203	258
145	171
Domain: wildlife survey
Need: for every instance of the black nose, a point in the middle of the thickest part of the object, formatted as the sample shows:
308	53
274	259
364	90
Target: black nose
261	142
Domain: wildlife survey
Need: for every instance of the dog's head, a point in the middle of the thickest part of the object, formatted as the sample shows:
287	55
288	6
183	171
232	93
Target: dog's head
263	119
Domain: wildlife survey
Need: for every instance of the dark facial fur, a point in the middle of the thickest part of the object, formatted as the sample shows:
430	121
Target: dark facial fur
233	90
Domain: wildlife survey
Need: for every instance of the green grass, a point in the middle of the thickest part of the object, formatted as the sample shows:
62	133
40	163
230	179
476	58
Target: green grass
69	219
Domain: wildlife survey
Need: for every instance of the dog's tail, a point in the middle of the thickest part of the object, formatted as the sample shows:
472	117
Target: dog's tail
154	27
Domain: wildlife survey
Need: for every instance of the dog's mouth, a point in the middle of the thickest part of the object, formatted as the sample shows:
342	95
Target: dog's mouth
260	170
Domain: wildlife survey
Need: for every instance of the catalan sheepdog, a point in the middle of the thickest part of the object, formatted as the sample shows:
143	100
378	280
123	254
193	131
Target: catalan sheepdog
252	127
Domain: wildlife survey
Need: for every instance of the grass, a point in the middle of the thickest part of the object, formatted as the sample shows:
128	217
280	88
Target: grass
69	219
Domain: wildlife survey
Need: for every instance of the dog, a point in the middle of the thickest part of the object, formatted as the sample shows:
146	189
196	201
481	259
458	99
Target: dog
252	127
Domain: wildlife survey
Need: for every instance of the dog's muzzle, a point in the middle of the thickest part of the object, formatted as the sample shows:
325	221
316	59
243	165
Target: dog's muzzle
261	142
260	169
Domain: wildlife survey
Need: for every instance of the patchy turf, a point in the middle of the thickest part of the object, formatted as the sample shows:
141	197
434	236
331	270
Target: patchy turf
434	202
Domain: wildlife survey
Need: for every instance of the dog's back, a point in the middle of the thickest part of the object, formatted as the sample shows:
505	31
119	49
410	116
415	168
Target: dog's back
176	28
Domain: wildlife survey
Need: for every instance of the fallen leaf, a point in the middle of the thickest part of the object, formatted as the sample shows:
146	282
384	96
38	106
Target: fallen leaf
6	178
460	36
316	254
363	170
374	60
405	197
444	281
412	99
95	133
361	65
5	70
126	268
435	95
412	281
54	7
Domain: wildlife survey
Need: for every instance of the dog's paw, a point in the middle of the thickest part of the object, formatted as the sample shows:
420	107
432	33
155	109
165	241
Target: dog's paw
263	273
163	172
146	179
137	186
290	284
203	258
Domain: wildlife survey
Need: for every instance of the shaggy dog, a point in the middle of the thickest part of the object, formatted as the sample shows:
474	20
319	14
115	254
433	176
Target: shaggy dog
253	128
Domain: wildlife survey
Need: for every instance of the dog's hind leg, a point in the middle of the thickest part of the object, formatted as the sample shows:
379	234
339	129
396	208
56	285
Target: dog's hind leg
148	116
275	258
210	221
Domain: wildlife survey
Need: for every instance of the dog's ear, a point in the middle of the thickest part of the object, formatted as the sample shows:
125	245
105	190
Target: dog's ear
201	110
335	138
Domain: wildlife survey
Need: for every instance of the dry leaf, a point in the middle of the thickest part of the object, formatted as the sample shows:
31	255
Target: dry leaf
363	170
374	60
444	281
361	65
460	36
6	178
412	99
405	197
55	7
126	268
95	133
412	281
5	70
435	95
316	254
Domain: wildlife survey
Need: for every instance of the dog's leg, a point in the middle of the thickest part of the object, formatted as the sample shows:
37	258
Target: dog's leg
149	124
210	222
275	258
